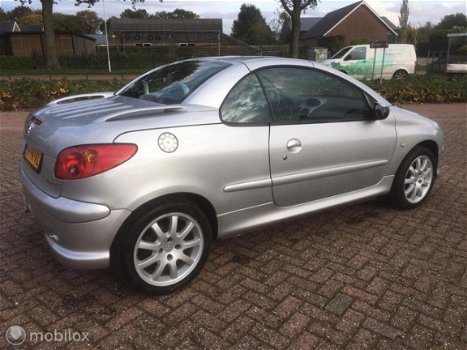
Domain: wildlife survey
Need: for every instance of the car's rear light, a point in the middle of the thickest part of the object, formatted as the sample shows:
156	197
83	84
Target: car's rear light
88	160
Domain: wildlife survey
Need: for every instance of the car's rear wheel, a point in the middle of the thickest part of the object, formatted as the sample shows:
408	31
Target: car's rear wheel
400	74
414	178
166	247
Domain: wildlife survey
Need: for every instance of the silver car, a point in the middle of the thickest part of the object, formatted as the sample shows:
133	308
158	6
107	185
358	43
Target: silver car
145	179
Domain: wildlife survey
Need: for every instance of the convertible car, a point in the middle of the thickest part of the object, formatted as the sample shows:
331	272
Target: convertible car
144	179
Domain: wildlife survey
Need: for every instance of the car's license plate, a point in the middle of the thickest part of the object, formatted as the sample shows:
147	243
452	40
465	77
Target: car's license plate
33	157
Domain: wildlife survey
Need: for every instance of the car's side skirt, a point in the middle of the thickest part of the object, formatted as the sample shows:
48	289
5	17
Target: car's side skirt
252	218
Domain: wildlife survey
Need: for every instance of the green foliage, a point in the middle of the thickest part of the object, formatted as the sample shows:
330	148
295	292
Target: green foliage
120	60
454	20
18	12
176	14
85	21
423	89
360	41
332	43
414	89
33	18
133	13
89	20
3	15
423	32
404	17
407	33
294	9
251	27
16	63
12	96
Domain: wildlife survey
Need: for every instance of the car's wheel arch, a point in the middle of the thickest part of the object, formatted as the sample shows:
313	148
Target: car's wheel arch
432	146
427	149
201	202
394	75
429	144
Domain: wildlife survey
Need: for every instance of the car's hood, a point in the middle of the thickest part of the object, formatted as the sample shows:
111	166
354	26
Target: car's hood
330	61
408	118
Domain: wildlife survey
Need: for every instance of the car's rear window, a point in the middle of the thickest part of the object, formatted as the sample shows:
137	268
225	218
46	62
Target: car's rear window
171	84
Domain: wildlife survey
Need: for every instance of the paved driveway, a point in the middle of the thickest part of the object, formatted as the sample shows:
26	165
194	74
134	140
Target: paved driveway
364	276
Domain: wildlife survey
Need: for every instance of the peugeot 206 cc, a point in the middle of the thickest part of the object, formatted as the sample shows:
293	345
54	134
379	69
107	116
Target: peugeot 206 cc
145	179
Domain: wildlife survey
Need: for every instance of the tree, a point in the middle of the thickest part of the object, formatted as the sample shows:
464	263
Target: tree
294	8
19	12
251	27
33	18
451	21
132	13
109	20
3	15
176	14
90	21
423	32
285	34
282	27
51	57
407	33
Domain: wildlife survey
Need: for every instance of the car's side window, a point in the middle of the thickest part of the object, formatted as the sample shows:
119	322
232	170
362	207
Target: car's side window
358	53
246	103
302	95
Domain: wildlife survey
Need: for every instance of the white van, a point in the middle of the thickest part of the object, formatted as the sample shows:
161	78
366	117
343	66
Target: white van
357	60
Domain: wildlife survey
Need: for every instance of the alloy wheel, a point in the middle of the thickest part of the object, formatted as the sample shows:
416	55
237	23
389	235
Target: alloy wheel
168	249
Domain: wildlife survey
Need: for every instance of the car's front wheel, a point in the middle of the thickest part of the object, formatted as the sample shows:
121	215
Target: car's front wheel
166	247
414	178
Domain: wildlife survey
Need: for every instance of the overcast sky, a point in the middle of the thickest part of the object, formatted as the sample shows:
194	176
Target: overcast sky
421	11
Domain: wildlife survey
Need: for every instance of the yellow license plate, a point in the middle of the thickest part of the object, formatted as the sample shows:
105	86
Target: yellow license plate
33	157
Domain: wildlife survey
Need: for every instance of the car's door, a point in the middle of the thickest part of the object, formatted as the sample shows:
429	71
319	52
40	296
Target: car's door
323	139
356	63
244	146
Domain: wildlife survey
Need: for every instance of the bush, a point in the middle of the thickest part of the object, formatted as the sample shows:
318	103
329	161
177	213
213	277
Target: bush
16	63
423	89
96	61
27	93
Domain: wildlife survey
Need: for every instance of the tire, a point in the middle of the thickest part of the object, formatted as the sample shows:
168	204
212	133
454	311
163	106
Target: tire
164	249
400	74
414	178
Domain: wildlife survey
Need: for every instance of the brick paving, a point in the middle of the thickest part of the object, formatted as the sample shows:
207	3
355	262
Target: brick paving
363	276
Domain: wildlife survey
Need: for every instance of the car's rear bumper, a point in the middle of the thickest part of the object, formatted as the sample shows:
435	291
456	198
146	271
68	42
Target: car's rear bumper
79	233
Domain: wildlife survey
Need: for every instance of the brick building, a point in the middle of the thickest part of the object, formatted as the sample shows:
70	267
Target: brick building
129	32
357	20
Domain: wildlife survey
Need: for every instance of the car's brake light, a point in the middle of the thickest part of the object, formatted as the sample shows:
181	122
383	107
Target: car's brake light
87	160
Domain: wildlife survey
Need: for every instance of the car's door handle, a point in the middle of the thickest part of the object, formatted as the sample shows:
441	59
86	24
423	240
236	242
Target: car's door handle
294	145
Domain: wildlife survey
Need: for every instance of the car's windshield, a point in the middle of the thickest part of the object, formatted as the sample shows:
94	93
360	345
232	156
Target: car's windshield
342	52
171	84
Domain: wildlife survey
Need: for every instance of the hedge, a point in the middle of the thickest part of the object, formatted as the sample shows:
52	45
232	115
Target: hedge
28	93
97	61
436	88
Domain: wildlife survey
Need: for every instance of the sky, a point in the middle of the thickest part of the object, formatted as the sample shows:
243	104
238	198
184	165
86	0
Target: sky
421	11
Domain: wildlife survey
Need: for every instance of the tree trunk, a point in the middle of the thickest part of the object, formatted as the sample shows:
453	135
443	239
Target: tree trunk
295	43
51	59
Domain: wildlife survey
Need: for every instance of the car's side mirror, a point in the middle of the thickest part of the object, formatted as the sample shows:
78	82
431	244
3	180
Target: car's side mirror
380	112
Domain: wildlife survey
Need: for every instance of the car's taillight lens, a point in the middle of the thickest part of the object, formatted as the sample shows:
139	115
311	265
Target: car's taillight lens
87	160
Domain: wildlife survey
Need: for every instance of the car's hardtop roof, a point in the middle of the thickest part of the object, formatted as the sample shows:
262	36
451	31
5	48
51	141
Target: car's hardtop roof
249	59
255	62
